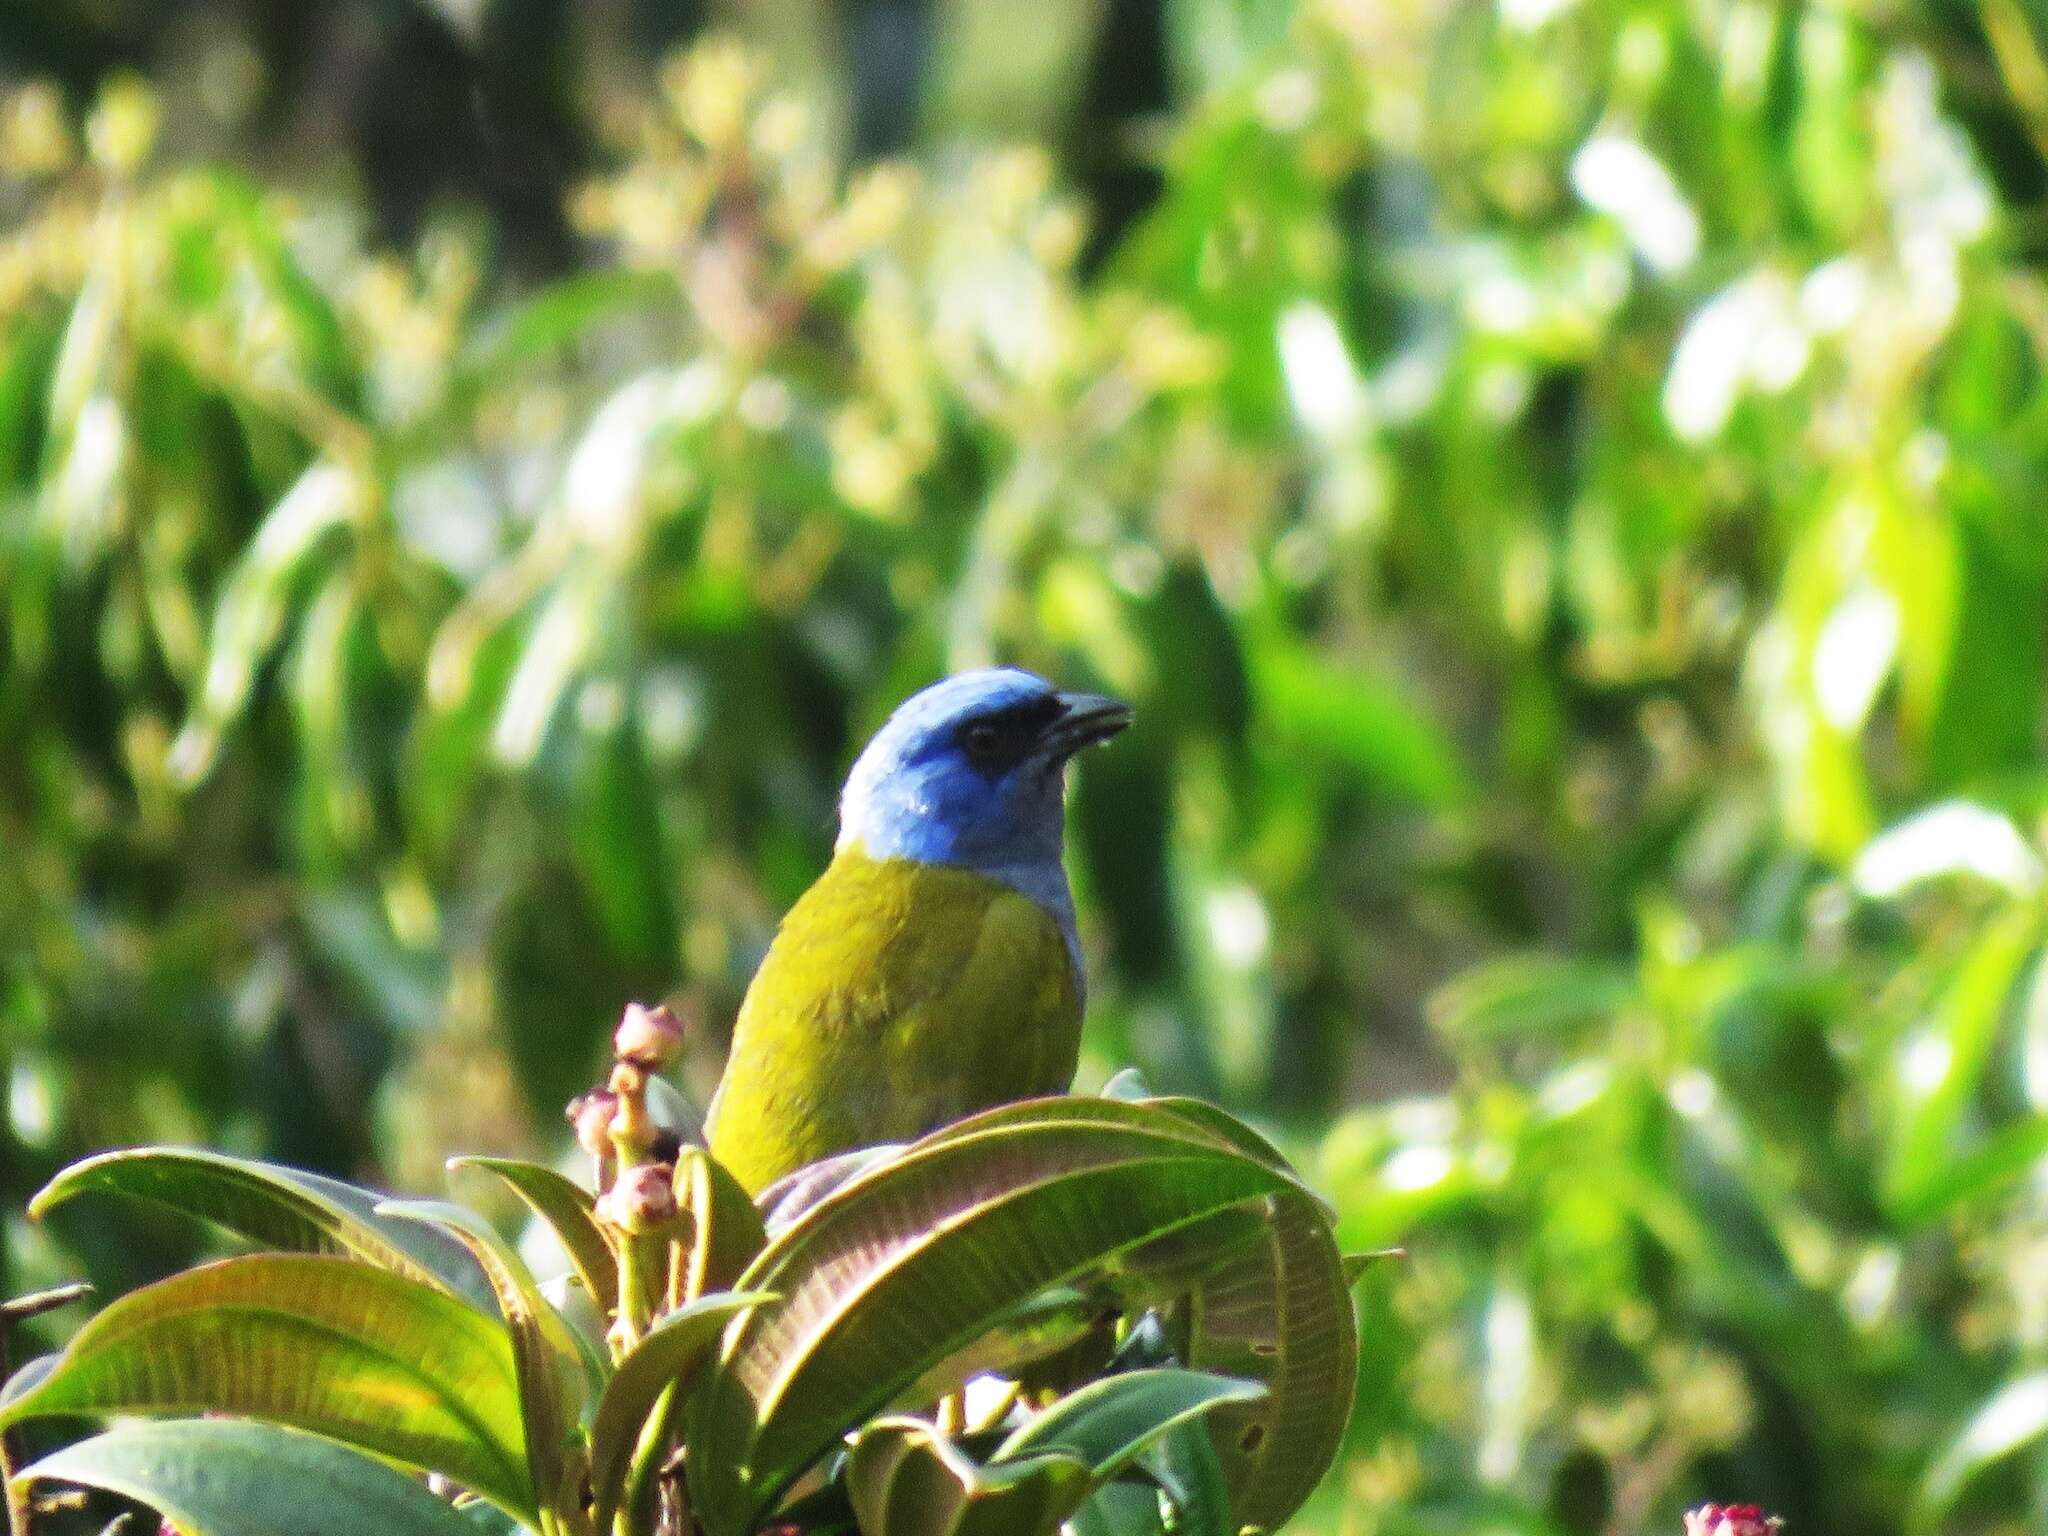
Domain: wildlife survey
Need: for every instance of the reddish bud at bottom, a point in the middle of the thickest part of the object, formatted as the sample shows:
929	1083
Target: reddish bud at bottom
1731	1520
643	1200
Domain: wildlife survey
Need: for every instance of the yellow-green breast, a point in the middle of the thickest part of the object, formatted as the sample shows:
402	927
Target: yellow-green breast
896	997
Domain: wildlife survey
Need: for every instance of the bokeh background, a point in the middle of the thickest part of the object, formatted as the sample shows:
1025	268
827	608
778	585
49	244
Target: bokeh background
1564	483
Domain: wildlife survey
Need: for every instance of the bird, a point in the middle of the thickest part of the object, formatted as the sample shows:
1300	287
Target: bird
933	969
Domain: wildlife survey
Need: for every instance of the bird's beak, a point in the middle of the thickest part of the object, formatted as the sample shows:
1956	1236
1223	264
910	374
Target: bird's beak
1088	718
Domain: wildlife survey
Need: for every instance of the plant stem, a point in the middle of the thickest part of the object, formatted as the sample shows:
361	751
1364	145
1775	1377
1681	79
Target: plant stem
17	1497
631	1317
16	1311
632	1134
675	1490
648	1456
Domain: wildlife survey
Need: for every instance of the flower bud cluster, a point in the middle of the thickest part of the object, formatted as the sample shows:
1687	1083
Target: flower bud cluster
635	1168
612	1123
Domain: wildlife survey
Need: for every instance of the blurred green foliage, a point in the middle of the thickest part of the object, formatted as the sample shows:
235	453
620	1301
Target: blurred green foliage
1563	482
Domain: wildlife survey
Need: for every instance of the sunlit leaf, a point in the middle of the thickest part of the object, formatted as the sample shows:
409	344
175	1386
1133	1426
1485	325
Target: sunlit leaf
321	1343
2002	1157
567	1208
1269	1299
547	1359
272	1206
1938	1068
2016	1416
958	1230
1955	838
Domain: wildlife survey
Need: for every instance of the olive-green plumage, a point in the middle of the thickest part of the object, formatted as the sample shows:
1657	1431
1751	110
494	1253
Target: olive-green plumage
898	995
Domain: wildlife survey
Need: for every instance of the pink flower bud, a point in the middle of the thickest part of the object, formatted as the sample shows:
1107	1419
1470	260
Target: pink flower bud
649	1036
1730	1520
643	1200
591	1114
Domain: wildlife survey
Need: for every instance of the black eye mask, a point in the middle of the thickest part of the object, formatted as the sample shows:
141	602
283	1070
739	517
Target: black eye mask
998	741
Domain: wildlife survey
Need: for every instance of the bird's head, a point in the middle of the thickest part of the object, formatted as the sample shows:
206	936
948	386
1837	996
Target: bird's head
971	772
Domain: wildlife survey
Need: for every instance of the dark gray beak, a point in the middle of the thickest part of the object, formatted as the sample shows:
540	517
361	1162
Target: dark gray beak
1087	719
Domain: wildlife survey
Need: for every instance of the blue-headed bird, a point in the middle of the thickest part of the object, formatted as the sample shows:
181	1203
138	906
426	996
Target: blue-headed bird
933	969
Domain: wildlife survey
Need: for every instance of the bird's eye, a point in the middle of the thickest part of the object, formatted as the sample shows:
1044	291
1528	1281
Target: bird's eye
980	739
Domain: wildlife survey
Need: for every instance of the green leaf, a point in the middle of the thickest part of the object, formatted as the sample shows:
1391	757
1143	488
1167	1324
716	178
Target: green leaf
556	316
907	1479
1363	724
1531	996
80	363
726	1229
1279	1312
568	1209
326	1344
1108	1422
486	1519
1198	1121
275	1207
1039	1329
399	985
560	644
29	1375
2015	1416
588	1323
254	601
667	1357
2004	1156
1118	1509
1185	1464
899	1269
544	1352
613	832
1356	1264
1228	1128
1941	1064
216	1477
1271	1301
